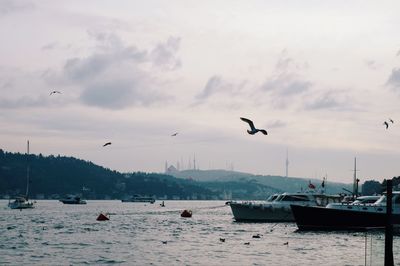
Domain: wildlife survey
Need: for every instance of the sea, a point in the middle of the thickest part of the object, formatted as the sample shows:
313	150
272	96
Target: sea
148	234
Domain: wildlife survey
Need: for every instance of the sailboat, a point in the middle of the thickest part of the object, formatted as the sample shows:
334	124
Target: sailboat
22	202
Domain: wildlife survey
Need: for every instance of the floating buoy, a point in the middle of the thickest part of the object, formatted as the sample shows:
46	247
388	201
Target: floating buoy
186	213
102	217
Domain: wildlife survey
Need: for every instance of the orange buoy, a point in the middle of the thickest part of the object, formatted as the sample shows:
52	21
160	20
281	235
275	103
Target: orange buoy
186	213
102	217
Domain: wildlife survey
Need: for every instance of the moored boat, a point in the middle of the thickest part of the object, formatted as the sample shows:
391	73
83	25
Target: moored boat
277	207
138	198
72	199
346	216
22	202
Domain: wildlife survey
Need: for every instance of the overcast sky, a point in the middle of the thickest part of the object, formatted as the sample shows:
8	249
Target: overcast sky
320	76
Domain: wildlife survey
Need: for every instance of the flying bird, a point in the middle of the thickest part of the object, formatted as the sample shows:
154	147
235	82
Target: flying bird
253	130
106	144
174	135
386	124
54	92
391	120
222	239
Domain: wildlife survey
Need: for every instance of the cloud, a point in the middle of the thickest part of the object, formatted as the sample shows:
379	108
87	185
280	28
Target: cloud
116	75
214	84
286	84
276	124
24	101
394	79
286	80
12	6
328	100
218	86
164	54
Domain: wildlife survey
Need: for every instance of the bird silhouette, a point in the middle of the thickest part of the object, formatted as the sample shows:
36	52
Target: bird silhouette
222	239
286	243
386	124
257	236
54	92
391	120
253	130
106	144
247	243
164	242
174	135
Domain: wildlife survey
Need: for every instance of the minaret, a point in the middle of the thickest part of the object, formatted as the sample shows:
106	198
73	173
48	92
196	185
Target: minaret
287	163
194	161
166	166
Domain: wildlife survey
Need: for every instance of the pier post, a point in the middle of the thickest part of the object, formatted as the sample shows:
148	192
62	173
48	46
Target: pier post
389	225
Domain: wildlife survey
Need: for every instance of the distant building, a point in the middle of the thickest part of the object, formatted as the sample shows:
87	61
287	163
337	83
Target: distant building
171	170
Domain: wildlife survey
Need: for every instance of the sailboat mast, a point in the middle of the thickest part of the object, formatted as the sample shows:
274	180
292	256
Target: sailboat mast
355	178
27	171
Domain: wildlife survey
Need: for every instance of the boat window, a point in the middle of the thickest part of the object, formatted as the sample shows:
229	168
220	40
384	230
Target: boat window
272	197
397	200
295	198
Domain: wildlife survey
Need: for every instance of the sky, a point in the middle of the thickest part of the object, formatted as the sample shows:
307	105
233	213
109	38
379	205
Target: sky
320	76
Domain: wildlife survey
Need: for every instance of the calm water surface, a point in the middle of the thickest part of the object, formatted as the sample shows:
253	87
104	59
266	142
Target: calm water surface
57	234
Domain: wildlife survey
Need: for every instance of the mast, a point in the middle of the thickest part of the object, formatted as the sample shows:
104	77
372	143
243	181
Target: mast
355	192
27	171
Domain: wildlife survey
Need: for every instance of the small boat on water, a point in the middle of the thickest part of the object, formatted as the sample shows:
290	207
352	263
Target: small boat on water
138	198
353	216
73	199
277	207
22	202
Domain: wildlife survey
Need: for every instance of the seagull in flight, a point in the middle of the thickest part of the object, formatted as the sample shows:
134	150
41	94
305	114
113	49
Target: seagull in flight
174	135
386	124
54	92
106	144
391	121
253	130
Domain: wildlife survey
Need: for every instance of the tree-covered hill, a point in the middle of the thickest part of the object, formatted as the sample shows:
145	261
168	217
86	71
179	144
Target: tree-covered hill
53	176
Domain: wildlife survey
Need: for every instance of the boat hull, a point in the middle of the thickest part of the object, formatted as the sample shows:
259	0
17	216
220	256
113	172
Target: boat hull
20	206
320	218
260	213
73	202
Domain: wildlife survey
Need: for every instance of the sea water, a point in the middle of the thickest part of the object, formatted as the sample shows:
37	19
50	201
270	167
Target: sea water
148	234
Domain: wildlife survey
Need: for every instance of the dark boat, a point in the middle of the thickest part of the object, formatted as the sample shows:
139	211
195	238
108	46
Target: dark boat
346	217
72	199
138	198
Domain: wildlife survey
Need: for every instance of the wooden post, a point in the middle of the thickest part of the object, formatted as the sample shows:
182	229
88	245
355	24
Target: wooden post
389	225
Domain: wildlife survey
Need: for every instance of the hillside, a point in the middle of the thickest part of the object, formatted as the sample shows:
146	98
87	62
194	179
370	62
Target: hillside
279	183
56	176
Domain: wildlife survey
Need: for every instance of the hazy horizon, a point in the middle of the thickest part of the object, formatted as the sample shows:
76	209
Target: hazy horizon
320	77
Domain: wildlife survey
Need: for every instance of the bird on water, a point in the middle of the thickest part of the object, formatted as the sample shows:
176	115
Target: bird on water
253	130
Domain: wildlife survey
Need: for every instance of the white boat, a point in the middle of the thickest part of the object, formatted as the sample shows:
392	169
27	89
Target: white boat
277	207
22	202
138	198
73	199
